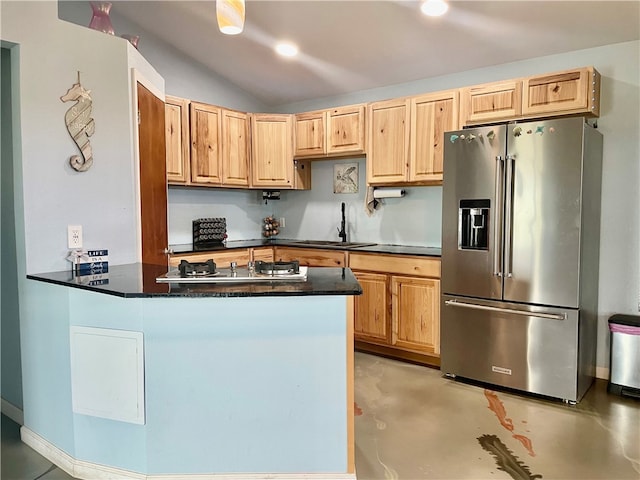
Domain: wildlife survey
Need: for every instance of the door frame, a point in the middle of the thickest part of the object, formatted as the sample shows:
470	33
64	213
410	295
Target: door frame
138	77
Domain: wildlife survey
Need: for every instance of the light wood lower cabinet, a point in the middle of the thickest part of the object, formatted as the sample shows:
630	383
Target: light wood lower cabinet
310	257
415	306
398	313
372	313
264	254
241	256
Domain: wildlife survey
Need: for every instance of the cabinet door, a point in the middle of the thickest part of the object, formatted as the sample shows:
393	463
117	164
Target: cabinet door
416	314
310	137
222	258
272	150
561	93
346	130
176	117
371	321
235	148
491	102
388	142
431	116
205	143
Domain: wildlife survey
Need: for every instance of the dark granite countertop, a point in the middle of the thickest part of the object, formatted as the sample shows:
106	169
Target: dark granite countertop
377	248
138	280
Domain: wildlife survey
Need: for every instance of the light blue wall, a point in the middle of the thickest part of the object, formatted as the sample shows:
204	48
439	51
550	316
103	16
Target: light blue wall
10	315
231	390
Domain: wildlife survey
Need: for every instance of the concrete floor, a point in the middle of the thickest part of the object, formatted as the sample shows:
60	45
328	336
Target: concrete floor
411	423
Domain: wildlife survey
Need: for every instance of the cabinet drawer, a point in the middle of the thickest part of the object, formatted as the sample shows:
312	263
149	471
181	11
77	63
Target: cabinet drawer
396	264
223	259
264	254
311	257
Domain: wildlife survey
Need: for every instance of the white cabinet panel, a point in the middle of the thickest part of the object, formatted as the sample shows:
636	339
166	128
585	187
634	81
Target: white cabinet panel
107	373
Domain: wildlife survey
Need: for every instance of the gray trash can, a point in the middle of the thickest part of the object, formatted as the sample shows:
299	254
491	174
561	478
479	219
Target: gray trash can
624	373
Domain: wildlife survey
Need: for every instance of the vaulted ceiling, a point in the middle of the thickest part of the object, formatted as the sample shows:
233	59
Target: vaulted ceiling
348	46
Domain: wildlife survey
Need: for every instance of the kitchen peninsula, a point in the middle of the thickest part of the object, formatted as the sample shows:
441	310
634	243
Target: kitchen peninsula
241	380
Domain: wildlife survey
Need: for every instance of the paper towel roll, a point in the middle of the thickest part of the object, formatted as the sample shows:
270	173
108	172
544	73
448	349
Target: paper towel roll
388	193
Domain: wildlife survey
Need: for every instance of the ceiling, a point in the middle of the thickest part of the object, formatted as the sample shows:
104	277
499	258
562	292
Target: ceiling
348	46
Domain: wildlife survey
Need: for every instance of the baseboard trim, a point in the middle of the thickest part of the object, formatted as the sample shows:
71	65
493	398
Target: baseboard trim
13	412
93	471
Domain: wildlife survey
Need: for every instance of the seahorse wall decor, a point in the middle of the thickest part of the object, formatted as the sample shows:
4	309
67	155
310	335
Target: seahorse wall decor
80	125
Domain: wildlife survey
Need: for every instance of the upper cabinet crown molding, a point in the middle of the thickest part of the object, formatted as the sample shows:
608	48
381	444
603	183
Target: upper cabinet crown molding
330	133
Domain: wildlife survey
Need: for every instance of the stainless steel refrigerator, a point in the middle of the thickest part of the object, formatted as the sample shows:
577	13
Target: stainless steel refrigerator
520	252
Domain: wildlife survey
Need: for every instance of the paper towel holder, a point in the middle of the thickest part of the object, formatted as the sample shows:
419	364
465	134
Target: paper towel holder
389	192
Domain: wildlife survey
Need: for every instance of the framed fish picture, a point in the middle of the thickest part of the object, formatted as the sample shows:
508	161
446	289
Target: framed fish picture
345	178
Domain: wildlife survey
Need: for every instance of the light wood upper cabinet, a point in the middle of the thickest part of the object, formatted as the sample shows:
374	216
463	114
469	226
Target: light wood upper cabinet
566	92
388	141
176	114
346	130
431	116
330	133
272	150
206	133
406	138
310	137
491	102
235	148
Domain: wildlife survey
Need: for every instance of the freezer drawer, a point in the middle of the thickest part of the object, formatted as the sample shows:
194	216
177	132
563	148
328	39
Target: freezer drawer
525	347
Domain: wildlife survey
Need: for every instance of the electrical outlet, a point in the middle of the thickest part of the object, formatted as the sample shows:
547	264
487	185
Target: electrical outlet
281	222
74	236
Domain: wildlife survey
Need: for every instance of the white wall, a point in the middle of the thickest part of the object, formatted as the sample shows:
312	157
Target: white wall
46	56
183	77
619	122
102	199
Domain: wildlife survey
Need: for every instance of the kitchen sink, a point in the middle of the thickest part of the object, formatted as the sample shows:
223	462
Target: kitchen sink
330	243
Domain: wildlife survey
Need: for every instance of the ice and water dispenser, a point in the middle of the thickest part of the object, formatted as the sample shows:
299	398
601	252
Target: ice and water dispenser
473	225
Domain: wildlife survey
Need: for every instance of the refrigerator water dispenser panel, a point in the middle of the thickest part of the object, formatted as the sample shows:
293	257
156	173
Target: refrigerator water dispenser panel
473	224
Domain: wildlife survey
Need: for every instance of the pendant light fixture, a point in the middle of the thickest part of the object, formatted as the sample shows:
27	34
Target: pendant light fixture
230	15
434	8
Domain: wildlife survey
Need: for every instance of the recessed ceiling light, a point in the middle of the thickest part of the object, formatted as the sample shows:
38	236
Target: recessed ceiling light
434	8
286	49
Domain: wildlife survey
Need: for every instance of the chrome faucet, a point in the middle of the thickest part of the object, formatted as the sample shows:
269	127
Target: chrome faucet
342	233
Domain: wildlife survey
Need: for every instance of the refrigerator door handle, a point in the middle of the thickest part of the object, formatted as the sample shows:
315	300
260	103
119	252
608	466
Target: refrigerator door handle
497	227
508	237
475	306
